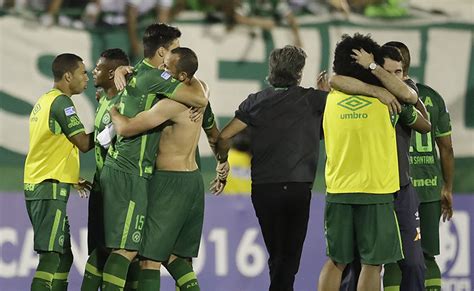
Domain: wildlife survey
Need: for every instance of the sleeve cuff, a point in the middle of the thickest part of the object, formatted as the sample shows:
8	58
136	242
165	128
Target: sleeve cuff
76	132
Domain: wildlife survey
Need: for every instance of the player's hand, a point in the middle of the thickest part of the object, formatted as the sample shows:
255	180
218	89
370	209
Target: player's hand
322	82
98	93
120	76
390	100
83	187
217	186
446	203
196	113
222	170
362	57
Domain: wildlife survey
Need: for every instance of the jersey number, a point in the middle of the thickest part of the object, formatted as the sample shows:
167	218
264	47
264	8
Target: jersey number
139	221
423	142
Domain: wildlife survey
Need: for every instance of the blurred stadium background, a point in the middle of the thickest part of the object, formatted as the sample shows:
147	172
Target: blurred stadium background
440	35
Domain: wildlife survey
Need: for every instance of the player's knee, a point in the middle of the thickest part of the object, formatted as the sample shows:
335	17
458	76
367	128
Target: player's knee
149	264
129	255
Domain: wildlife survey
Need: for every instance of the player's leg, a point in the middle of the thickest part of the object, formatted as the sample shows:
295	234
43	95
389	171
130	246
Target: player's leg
430	213
189	238
95	239
409	273
133	275
175	224
282	210
369	277
47	266
350	276
339	230
149	279
125	199
378	241
60	282
47	218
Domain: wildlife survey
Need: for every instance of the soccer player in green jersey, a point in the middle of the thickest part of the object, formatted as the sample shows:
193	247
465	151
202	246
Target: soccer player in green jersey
103	74
176	198
52	167
130	163
435	195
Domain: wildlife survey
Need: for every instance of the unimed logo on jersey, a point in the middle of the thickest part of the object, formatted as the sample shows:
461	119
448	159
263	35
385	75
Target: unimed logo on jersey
354	104
455	258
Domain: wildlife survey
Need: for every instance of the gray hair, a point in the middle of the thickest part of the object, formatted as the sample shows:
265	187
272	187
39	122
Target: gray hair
285	66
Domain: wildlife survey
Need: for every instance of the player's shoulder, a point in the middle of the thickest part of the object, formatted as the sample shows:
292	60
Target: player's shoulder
427	91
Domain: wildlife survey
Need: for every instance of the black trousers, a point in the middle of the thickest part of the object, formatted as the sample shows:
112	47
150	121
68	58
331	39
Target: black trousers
282	210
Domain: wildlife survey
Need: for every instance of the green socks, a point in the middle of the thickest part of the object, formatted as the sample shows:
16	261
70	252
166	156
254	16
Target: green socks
182	272
132	276
149	280
60	277
392	277
115	272
47	266
94	267
433	275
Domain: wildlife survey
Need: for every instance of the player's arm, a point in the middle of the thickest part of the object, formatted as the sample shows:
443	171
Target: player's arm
225	138
445	145
160	112
209	125
354	86
192	95
446	155
397	87
411	117
212	136
64	119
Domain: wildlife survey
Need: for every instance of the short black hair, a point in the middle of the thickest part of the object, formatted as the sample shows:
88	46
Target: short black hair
188	61
285	66
345	65
391	52
117	56
64	63
405	54
158	35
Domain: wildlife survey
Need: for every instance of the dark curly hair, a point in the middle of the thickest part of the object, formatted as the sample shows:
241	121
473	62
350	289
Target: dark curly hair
345	65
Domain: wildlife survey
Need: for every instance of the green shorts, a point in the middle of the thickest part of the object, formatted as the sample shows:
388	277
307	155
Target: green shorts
430	213
125	202
95	219
368	229
175	216
50	225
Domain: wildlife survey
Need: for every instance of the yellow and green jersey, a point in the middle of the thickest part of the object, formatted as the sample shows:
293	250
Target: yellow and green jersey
51	156
137	154
424	163
361	147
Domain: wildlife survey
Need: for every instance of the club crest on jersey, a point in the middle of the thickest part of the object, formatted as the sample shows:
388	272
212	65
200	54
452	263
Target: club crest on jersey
165	75
69	111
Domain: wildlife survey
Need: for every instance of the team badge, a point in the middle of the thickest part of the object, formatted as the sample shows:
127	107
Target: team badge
69	111
165	75
106	118
136	236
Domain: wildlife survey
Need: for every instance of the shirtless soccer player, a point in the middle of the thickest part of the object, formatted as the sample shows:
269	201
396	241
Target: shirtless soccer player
173	228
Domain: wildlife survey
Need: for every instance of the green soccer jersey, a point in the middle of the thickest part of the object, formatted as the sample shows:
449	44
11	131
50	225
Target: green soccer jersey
424	164
102	119
63	117
136	155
